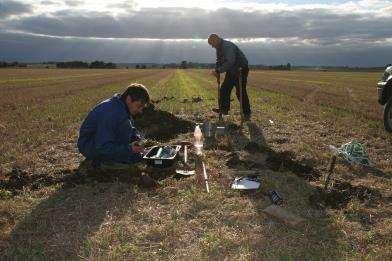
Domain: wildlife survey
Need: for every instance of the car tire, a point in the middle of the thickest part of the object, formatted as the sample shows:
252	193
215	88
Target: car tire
388	115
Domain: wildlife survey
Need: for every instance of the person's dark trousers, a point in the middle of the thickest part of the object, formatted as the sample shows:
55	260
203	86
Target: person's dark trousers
231	80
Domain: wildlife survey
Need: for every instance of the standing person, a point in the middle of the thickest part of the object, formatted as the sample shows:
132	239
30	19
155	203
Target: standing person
232	61
107	135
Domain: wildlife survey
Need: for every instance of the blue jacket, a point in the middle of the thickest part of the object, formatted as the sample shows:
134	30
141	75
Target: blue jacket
107	131
229	58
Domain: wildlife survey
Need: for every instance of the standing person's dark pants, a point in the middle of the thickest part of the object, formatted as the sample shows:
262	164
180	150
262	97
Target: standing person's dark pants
231	80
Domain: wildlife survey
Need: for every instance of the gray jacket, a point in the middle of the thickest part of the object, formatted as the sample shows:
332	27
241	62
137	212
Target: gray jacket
229	58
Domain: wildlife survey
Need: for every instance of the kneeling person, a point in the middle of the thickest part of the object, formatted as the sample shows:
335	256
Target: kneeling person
107	135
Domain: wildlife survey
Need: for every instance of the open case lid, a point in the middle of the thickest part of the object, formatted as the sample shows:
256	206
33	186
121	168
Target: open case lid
162	156
245	183
167	152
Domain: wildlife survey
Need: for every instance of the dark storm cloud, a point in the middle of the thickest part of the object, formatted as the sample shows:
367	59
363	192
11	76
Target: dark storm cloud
323	25
299	36
11	7
31	48
69	23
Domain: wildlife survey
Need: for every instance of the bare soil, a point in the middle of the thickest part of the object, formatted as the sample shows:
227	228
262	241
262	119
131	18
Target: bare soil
161	125
53	206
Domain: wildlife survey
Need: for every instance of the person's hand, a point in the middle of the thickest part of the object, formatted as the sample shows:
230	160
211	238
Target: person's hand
136	147
240	71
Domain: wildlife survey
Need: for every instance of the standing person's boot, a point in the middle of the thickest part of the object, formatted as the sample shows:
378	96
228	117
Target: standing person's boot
217	110
247	117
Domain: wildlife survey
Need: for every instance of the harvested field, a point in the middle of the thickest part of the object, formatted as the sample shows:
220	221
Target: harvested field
51	209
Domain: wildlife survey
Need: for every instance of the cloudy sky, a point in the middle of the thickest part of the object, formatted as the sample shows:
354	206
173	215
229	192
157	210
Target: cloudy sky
303	32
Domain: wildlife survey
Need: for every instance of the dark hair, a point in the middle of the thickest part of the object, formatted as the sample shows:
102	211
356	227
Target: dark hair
138	92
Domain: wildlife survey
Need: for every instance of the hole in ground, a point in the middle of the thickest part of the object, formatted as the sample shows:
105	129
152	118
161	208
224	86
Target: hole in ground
285	160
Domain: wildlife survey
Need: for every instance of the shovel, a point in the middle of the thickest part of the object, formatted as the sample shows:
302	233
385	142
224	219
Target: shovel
220	113
241	98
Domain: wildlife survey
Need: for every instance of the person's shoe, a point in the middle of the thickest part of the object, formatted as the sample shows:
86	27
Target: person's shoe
217	110
87	167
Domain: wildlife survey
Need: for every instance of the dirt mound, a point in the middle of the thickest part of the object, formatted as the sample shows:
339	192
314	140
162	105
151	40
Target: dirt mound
161	125
341	194
285	160
196	99
18	179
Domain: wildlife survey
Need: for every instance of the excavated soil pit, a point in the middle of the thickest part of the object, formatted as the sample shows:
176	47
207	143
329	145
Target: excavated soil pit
284	160
244	160
161	125
341	194
254	147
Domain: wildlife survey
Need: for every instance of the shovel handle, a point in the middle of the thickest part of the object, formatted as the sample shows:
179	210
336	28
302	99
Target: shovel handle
241	96
220	113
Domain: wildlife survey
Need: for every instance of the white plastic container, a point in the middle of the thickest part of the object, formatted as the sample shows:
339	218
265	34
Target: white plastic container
198	140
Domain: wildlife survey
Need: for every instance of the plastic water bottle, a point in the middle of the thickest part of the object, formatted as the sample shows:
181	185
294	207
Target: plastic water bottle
198	140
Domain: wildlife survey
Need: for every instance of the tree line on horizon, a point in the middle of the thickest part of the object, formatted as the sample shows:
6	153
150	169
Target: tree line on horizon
181	65
92	65
109	65
4	64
